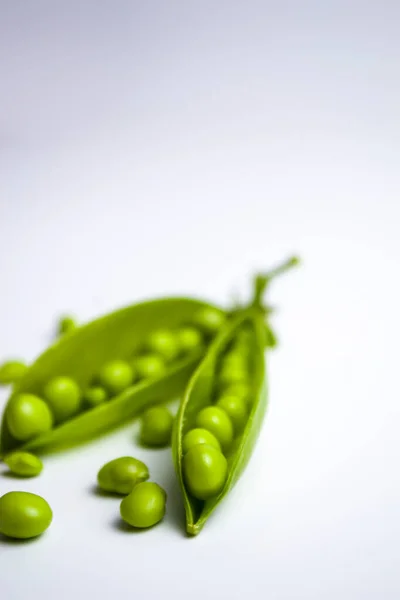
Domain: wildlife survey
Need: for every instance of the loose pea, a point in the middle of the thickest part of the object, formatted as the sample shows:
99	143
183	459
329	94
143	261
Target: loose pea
236	410
95	395
66	324
24	464
189	339
144	506
122	474
28	416
24	515
209	320
63	396
116	376
215	420
12	371
205	470
156	427
164	343
149	366
197	436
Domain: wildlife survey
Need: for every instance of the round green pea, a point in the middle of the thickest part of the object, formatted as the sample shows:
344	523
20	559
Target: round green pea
234	360
156	428
116	376
94	396
209	320
229	375
63	395
197	436
164	343
144	506
28	416
189	339
149	366
12	371
122	474
66	324
236	410
24	464
205	470
24	515
215	420
240	390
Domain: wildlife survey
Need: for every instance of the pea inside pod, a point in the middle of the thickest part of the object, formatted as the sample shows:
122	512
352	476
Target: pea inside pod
234	362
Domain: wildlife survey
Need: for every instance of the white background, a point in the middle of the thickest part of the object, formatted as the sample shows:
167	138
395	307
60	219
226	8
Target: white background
153	148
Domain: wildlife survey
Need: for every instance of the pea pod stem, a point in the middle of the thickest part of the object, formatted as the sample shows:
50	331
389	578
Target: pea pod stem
262	281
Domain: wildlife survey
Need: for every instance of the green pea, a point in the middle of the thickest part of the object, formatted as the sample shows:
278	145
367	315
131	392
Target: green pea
24	515
24	464
234	360
66	324
28	416
116	376
236	410
197	436
149	366
122	474
209	320
144	506
205	470
241	390
189	339
95	395
12	371
228	376
63	396
215	420
164	343
157	425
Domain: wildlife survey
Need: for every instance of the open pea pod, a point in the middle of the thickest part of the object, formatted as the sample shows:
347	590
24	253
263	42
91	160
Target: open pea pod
200	393
81	353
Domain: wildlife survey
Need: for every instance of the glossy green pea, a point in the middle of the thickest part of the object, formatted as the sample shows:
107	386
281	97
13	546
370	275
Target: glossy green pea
236	410
234	360
63	396
189	339
205	470
122	474
241	390
229	375
156	427
144	506
94	396
116	376
215	420
24	464
164	343
209	320
149	366
24	515
12	371
28	416
66	324
197	436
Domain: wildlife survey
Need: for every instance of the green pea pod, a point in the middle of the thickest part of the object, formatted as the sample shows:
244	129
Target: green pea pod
199	394
82	353
247	326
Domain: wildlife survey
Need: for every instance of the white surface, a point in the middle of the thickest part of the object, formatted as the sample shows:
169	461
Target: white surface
156	148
